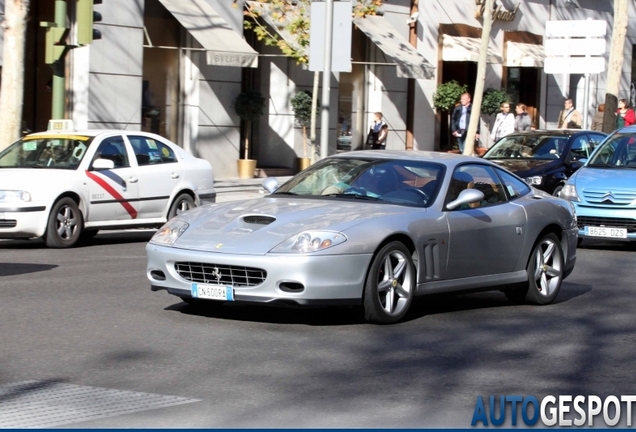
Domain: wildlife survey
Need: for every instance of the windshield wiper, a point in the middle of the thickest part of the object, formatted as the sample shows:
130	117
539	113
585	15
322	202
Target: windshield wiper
602	165
284	193
354	196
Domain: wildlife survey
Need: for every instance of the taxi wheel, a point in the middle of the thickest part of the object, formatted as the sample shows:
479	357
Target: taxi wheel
65	224
183	202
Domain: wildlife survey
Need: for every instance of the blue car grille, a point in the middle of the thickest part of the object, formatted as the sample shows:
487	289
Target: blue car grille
584	221
219	274
615	197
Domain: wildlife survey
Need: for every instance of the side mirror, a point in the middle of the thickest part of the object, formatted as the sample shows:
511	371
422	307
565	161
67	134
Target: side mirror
103	164
270	184
467	196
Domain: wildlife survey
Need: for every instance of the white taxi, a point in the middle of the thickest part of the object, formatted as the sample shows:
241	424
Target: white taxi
65	185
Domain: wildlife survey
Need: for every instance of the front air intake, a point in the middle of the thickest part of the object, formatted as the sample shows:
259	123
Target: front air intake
259	220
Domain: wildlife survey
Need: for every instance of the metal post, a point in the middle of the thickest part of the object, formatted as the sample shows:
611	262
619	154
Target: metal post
57	110
586	101
326	83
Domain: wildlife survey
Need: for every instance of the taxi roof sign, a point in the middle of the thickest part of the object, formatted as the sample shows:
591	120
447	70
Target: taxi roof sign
60	125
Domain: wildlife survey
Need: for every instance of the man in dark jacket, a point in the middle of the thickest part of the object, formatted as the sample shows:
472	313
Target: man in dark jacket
460	118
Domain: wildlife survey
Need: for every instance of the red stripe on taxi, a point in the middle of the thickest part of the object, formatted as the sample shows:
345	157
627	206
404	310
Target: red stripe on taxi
108	188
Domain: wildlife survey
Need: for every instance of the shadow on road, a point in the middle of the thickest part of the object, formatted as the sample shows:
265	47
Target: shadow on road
13	269
103	238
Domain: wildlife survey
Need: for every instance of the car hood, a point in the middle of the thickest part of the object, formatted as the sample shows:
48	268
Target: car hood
39	182
605	179
527	167
256	226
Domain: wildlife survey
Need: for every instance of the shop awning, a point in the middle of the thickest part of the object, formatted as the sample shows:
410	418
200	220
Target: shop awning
520	54
224	46
410	63
461	48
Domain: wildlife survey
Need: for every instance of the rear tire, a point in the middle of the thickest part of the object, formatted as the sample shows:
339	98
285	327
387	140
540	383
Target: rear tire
390	286
182	203
65	224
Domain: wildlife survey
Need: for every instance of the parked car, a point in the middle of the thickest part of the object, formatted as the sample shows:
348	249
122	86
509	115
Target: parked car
604	190
65	185
372	228
545	158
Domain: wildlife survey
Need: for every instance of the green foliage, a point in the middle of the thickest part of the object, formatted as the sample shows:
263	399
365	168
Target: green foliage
249	105
447	95
492	100
301	105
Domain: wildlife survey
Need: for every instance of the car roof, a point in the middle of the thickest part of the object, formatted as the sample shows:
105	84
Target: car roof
557	132
93	133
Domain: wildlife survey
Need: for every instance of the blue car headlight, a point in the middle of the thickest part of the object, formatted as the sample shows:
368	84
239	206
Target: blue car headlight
569	193
310	241
14	196
169	233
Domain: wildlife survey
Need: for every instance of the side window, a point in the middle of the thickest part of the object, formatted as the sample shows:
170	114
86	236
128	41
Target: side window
149	151
595	140
580	149
478	177
514	187
113	148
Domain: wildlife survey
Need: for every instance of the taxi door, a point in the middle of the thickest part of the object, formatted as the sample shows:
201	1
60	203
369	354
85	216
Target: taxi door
114	193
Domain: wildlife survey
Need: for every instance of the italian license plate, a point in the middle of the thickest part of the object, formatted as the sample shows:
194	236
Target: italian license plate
212	292
607	232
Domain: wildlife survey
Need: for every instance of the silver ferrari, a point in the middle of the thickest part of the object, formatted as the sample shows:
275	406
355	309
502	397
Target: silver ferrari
372	228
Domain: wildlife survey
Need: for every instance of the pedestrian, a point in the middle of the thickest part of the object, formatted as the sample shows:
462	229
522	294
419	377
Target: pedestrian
504	123
378	133
569	117
624	114
522	121
460	119
597	121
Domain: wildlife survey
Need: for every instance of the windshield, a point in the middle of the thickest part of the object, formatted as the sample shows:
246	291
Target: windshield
45	152
528	147
404	182
617	152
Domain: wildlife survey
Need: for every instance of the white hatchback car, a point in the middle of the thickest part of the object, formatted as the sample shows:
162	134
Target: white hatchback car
64	186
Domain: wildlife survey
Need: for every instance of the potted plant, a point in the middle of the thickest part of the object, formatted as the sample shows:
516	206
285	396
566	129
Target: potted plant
301	106
445	98
249	105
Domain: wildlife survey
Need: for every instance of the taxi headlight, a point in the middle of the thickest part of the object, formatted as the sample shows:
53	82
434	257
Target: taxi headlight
569	193
169	233
14	196
310	241
534	181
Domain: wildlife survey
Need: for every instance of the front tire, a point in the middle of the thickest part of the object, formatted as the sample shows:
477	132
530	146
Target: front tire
557	190
390	285
182	203
65	224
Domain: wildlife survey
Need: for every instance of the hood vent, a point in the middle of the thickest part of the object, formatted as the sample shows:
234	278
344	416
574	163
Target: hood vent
259	220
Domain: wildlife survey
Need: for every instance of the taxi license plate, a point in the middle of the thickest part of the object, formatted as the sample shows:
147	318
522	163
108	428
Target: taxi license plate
212	292
607	232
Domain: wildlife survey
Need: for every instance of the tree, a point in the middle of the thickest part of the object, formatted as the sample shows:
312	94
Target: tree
469	146
12	87
249	105
615	65
301	105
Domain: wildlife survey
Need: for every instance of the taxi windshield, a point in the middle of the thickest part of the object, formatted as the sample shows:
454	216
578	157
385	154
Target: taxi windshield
45	152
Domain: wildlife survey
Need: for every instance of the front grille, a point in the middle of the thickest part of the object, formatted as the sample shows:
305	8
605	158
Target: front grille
630	224
617	197
8	223
259	220
237	276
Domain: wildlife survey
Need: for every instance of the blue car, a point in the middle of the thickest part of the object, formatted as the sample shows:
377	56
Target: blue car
603	191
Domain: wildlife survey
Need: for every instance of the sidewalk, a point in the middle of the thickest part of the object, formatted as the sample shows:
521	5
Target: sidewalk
233	189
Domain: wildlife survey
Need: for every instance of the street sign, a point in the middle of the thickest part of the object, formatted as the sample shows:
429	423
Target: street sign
574	65
574	47
341	36
575	28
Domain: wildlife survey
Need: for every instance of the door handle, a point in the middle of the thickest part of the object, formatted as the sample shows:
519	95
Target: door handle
133	180
175	175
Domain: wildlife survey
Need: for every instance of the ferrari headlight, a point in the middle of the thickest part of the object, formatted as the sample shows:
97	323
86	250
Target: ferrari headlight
534	181
310	241
14	196
569	193
169	233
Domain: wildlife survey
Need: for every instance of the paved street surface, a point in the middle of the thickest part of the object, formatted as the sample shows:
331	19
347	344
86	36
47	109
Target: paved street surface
86	344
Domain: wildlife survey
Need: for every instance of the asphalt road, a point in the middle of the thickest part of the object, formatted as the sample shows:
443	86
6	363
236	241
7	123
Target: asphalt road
86	318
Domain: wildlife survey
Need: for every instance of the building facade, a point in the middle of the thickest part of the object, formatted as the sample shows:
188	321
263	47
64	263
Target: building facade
175	67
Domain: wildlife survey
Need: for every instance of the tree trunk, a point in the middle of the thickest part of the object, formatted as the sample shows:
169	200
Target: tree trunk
12	88
615	65
469	145
246	141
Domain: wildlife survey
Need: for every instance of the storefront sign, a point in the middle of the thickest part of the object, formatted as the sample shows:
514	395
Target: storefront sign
499	12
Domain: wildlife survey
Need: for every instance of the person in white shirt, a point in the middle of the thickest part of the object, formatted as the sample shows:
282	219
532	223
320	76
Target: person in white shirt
504	123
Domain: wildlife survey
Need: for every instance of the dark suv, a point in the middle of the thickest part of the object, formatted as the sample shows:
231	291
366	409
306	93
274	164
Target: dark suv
545	158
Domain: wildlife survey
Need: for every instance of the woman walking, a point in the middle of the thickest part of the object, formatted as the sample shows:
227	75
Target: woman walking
624	115
504	123
522	121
